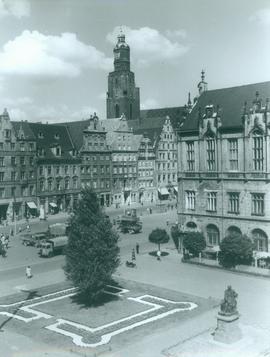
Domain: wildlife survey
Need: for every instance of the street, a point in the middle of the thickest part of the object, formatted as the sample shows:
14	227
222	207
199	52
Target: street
169	273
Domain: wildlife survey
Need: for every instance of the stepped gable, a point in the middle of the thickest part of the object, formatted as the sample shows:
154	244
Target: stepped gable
230	101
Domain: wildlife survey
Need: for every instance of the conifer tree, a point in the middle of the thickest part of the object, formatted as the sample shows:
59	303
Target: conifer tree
92	253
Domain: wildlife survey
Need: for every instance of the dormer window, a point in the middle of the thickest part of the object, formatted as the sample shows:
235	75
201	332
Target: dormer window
7	133
58	151
22	136
40	135
209	111
56	136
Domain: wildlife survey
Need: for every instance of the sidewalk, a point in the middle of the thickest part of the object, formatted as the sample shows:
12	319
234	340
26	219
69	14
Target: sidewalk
13	286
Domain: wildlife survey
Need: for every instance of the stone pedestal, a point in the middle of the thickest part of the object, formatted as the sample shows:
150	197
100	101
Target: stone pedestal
228	330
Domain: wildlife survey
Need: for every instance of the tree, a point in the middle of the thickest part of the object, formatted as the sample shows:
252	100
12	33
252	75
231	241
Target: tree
176	235
92	253
235	249
194	242
159	236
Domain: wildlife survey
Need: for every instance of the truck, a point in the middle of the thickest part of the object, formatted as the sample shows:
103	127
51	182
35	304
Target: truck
129	222
56	241
53	246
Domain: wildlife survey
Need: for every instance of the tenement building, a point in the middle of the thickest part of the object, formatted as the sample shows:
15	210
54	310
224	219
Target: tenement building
123	97
90	141
17	169
125	147
58	168
224	165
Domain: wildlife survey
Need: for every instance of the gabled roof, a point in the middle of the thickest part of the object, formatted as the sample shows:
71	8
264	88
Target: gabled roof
25	128
175	113
48	136
230	101
75	130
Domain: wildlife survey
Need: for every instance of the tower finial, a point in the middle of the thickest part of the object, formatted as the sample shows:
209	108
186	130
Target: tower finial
203	75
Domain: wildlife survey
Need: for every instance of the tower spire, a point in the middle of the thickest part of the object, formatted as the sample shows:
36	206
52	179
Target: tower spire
202	86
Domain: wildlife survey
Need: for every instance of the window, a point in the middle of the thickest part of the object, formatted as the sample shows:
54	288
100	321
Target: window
58	151
67	184
41	170
2	192
22	147
74	169
22	175
24	190
31	190
49	168
41	185
31	160
58	185
1	161
260	240
50	185
257	204
13	161
210	154
13	176
66	169
2	176
13	191
190	200
212	201
258	153
31	146
233	152
31	174
233	202
12	146
117	111
7	133
75	182
57	169
22	160
190	156
40	135
212	235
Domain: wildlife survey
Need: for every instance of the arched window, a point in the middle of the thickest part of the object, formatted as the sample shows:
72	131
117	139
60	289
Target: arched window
212	235
260	240
130	111
117	111
233	230
191	225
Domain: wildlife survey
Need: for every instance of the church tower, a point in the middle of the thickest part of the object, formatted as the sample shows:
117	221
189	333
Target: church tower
123	97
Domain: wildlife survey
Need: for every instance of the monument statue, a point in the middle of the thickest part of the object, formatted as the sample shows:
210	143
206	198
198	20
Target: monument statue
227	330
228	305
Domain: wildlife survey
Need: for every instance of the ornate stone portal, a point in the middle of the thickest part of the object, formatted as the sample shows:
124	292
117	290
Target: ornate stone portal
227	330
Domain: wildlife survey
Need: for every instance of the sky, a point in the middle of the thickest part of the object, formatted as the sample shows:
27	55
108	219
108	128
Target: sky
55	55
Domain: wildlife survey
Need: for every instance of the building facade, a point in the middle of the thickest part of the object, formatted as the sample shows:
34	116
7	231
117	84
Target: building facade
166	161
224	165
58	169
146	172
123	97
17	169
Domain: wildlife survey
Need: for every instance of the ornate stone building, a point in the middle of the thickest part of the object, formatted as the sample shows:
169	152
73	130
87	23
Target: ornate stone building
123	97
224	165
89	139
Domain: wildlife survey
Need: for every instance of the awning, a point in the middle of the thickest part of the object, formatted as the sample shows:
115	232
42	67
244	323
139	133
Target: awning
163	191
31	205
261	255
52	204
175	188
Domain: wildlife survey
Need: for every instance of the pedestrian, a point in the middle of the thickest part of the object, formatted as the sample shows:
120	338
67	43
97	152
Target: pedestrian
28	272
167	222
158	255
133	256
11	232
137	248
6	242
